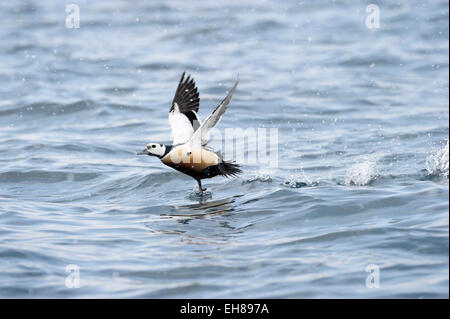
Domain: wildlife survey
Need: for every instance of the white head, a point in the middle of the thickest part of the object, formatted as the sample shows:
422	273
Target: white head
153	149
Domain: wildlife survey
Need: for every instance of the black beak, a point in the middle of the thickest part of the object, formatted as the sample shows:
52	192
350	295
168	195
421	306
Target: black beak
143	152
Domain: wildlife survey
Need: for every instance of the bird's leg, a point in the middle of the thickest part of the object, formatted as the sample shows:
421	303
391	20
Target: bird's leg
200	187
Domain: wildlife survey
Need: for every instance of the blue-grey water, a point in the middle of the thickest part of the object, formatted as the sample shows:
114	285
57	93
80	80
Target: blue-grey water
361	188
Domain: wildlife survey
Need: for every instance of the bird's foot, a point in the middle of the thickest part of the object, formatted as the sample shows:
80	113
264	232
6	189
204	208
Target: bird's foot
202	192
200	188
202	195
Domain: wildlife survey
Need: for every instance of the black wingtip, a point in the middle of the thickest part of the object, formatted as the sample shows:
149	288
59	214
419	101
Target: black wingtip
186	96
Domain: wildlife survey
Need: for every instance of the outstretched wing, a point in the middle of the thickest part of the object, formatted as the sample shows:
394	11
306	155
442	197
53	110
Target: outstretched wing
183	113
200	137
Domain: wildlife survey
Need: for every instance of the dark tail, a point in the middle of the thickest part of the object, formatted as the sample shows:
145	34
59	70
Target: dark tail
228	169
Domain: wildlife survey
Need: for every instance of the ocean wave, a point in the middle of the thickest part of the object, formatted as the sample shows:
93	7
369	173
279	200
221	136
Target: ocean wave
41	176
48	108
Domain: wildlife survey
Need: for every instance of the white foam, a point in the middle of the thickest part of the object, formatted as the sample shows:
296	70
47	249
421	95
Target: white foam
294	181
437	162
260	178
362	173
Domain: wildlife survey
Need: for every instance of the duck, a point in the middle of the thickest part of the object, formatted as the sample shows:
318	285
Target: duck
189	152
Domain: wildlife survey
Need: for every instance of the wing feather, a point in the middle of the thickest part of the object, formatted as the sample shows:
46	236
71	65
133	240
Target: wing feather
200	136
186	95
183	117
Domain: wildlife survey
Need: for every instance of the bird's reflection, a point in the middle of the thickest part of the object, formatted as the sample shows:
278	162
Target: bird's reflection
203	209
185	214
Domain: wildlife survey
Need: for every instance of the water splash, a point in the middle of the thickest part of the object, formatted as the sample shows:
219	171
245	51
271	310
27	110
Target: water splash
195	195
259	178
362	174
437	162
293	182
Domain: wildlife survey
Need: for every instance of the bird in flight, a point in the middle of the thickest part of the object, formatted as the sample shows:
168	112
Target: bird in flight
189	153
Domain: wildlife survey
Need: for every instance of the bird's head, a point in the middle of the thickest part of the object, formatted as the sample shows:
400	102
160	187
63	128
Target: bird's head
153	149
